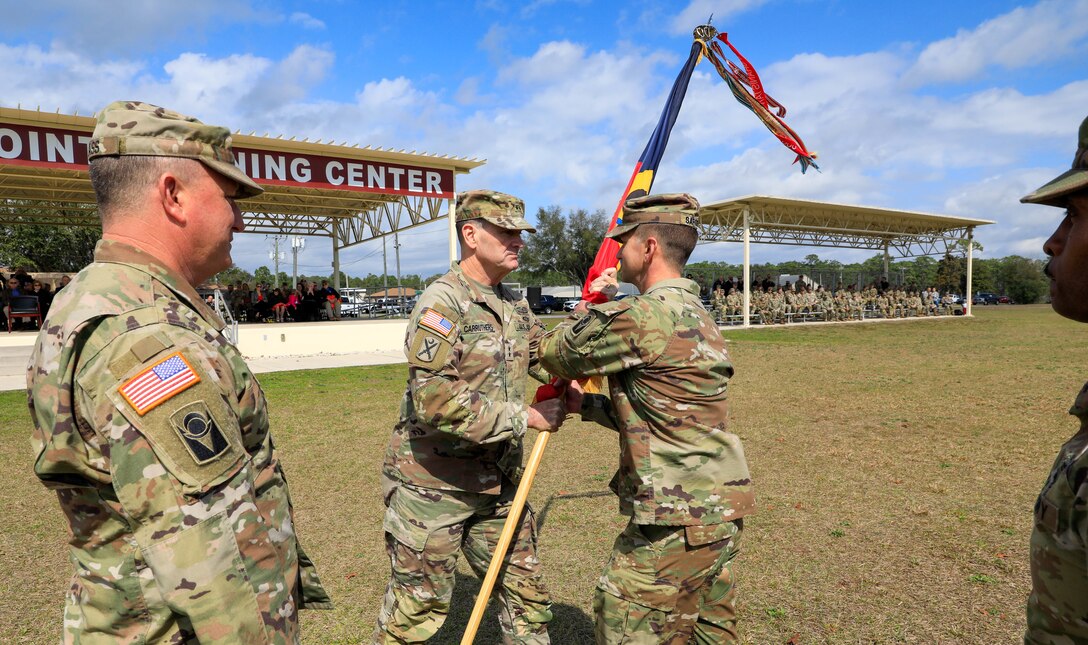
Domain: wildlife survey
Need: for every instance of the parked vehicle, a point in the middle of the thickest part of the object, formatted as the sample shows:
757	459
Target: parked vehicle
1005	300
546	304
571	304
985	298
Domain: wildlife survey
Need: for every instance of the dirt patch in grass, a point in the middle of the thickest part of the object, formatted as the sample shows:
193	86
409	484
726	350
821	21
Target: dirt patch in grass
896	466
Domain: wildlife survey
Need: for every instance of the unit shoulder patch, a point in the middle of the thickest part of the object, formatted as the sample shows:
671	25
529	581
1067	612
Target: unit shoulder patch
199	433
428	350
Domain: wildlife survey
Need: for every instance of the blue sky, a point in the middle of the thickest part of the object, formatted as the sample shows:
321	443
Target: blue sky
948	107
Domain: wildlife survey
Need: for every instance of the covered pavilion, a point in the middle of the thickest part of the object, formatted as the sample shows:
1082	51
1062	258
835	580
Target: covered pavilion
798	222
312	188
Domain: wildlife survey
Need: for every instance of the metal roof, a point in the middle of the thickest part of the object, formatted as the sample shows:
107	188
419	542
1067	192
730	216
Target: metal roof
56	179
782	220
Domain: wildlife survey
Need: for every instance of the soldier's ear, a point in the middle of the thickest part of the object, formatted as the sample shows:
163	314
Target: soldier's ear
470	234
651	248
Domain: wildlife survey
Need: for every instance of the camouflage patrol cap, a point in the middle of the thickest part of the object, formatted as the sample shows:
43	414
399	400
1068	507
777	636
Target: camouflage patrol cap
1054	192
134	128
667	208
502	210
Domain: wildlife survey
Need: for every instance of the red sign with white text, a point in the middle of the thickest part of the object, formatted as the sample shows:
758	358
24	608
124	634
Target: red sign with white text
37	146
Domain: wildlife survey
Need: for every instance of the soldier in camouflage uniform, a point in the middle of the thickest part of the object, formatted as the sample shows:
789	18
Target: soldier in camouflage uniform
454	459
682	477
147	422
733	304
1057	609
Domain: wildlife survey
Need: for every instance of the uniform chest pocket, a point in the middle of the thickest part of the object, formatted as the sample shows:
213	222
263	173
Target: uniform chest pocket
1055	504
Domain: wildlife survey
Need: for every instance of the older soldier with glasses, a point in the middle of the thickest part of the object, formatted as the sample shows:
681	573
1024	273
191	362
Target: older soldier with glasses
148	424
682	477
1058	605
454	460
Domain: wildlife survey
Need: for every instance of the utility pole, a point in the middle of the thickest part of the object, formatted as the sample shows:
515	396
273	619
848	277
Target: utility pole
276	255
400	289
297	244
385	274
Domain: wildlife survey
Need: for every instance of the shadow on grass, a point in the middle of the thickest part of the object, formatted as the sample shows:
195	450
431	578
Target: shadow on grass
542	514
569	625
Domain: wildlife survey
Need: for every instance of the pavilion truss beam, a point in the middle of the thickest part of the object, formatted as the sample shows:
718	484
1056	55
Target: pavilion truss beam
773	225
389	217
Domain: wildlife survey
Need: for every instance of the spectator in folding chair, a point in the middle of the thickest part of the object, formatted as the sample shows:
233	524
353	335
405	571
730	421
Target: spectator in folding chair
45	296
332	300
278	302
12	287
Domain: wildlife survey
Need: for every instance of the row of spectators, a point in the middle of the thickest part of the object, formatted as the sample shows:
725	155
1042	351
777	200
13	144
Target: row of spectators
766	283
785	304
21	283
266	303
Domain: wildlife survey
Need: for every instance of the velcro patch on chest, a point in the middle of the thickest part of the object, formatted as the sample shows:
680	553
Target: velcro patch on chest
158	383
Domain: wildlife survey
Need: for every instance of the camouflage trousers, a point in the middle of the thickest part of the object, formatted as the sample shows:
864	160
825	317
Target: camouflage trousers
669	584
424	531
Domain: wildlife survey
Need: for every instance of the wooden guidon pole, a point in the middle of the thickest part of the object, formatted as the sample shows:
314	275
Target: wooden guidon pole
513	521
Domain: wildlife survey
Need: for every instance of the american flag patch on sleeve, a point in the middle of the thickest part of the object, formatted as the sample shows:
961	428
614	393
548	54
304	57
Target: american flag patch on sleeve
158	383
435	321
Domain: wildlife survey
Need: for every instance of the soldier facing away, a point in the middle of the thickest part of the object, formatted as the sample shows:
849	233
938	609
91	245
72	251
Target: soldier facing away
682	477
147	422
1057	610
454	459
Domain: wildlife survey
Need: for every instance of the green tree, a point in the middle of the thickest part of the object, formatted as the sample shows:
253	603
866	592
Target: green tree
1023	279
585	233
46	247
234	274
543	249
263	274
951	273
562	249
921	272
984	275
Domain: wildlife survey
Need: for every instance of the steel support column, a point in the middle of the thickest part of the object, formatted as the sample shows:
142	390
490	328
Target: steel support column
335	259
968	298
747	269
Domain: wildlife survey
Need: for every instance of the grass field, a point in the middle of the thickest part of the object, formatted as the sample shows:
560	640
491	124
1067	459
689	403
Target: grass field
896	466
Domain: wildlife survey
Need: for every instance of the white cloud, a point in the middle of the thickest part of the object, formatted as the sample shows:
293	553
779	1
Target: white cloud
1024	37
698	11
60	78
288	80
305	20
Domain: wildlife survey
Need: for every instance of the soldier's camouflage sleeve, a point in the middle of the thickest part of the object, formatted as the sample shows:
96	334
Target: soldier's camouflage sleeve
609	338
443	393
210	529
536	334
598	409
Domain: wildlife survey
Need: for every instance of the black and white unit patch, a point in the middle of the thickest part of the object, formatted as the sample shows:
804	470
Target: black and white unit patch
198	431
